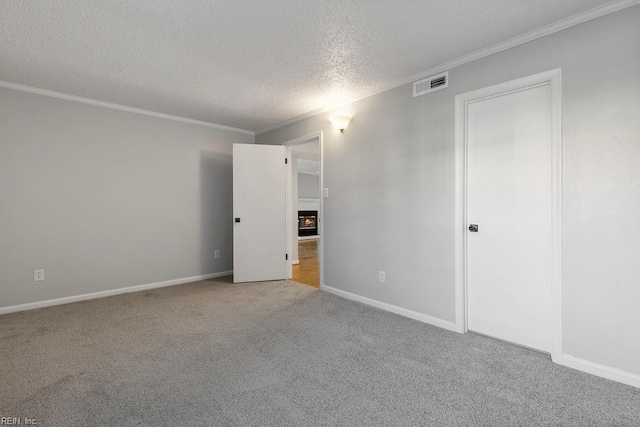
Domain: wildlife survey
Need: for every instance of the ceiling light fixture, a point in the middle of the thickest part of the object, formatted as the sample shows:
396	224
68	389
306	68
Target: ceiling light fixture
340	122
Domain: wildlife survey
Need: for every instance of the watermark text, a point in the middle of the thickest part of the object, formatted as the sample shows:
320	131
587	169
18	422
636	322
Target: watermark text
17	421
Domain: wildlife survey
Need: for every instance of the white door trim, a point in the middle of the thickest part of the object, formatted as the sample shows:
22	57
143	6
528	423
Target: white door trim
297	141
553	78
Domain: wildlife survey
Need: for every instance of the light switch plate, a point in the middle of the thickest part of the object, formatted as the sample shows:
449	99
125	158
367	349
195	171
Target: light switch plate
326	193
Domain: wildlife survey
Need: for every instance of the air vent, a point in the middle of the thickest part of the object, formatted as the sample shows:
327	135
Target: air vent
431	84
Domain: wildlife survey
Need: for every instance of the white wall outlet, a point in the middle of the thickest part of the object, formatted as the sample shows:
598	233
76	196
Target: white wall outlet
326	193
382	276
38	275
216	254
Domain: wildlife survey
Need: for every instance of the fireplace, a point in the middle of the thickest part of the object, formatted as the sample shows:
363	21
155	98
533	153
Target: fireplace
307	223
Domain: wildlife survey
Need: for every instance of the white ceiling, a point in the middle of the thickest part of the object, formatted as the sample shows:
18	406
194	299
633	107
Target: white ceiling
248	64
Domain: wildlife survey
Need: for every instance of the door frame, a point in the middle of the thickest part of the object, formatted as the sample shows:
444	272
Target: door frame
552	78
289	144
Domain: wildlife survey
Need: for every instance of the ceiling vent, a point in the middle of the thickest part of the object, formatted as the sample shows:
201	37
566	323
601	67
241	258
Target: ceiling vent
431	84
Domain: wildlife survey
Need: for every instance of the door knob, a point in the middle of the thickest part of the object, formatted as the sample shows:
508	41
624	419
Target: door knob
473	228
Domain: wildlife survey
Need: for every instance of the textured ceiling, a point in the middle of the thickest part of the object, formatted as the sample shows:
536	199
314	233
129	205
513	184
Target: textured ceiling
248	64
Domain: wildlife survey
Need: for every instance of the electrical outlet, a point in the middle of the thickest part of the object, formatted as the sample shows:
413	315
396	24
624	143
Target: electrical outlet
38	275
326	193
216	254
382	276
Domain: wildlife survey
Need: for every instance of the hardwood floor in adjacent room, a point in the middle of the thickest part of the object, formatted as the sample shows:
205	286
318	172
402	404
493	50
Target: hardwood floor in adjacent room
308	271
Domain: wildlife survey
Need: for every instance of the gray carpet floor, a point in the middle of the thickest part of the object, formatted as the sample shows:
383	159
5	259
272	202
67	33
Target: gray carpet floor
279	353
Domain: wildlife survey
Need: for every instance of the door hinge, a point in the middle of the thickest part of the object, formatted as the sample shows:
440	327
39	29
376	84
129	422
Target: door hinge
286	257
286	161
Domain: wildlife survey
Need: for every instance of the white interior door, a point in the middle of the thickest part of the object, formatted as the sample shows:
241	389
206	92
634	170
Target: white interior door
259	210
509	198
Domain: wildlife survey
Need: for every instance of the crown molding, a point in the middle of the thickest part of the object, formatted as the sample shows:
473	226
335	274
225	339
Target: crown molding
94	102
563	24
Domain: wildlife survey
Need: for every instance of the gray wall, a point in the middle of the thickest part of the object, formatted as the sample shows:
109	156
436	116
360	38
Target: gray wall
392	209
308	186
104	199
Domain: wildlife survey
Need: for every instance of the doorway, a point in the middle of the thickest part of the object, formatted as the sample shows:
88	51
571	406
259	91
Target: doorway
304	209
508	212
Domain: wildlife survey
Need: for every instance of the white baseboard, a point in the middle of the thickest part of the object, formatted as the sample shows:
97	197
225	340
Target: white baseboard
566	360
600	370
313	237
450	326
102	294
295	262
